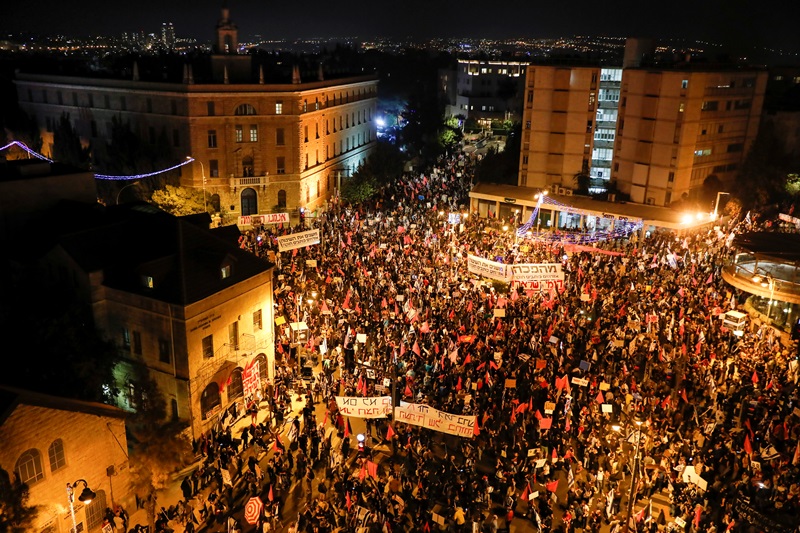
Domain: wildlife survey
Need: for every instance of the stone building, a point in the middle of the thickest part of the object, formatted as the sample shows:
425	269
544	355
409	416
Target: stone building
260	145
50	442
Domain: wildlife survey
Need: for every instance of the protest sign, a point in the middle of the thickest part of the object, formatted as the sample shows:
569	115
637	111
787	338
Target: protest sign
488	269
428	417
298	240
364	407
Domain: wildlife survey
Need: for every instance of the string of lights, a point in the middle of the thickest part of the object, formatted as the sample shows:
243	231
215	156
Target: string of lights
140	176
24	147
100	176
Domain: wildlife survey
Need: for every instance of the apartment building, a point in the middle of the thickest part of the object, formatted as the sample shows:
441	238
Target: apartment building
678	127
484	90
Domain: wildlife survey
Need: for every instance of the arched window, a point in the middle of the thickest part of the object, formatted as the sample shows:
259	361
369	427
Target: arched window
249	202
96	510
209	399
262	365
235	389
281	198
29	467
56	454
245	109
215	202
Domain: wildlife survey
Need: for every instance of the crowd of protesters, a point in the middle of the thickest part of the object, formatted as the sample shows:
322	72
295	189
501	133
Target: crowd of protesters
631	353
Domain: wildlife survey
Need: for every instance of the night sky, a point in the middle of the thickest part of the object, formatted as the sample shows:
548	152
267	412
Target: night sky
760	23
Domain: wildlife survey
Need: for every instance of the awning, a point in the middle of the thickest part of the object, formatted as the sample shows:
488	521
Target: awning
223	374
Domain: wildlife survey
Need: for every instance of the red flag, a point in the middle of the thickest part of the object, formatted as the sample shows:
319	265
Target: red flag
325	420
415	348
747	446
475	429
360	384
384	303
552	486
408	391
346	429
469	307
271	496
363	473
538	415
710	278
683	395
554	457
525	492
347	500
493	365
390	433
467	359
755	377
599	398
275	447
458	385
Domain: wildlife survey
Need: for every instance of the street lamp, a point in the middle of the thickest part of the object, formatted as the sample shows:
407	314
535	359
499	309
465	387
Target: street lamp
716	204
539	200
202	173
86	497
125	187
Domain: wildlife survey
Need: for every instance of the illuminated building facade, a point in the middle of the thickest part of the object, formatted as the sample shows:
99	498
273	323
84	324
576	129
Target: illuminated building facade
484	90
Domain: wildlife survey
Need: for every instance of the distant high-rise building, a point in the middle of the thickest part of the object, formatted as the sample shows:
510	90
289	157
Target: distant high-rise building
168	34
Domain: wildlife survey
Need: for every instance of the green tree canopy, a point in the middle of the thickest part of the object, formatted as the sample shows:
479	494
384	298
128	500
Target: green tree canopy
159	447
61	352
16	515
384	166
178	201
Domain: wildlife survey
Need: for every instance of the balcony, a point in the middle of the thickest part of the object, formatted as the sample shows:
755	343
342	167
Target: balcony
249	181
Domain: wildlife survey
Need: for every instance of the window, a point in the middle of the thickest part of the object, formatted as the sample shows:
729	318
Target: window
56	455
710	105
527	124
95	512
233	335
213	168
249	202
703	152
163	351
235	386
257	325
137	343
280	136
239	133
282	198
681	107
126	338
253	133
671	177
278	108
225	271
209	400
280	162
305	106
736	147
316	128
305	131
524	159
147	282
212	138
208	346
29	467
245	109
684	84
210	106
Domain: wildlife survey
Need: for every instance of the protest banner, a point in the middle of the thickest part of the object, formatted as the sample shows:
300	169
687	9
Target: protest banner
488	269
428	417
364	407
298	240
269	218
251	380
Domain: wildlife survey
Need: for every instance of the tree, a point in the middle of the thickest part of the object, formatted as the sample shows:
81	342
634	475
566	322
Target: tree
67	146
178	201
384	166
450	134
159	447
15	514
72	359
